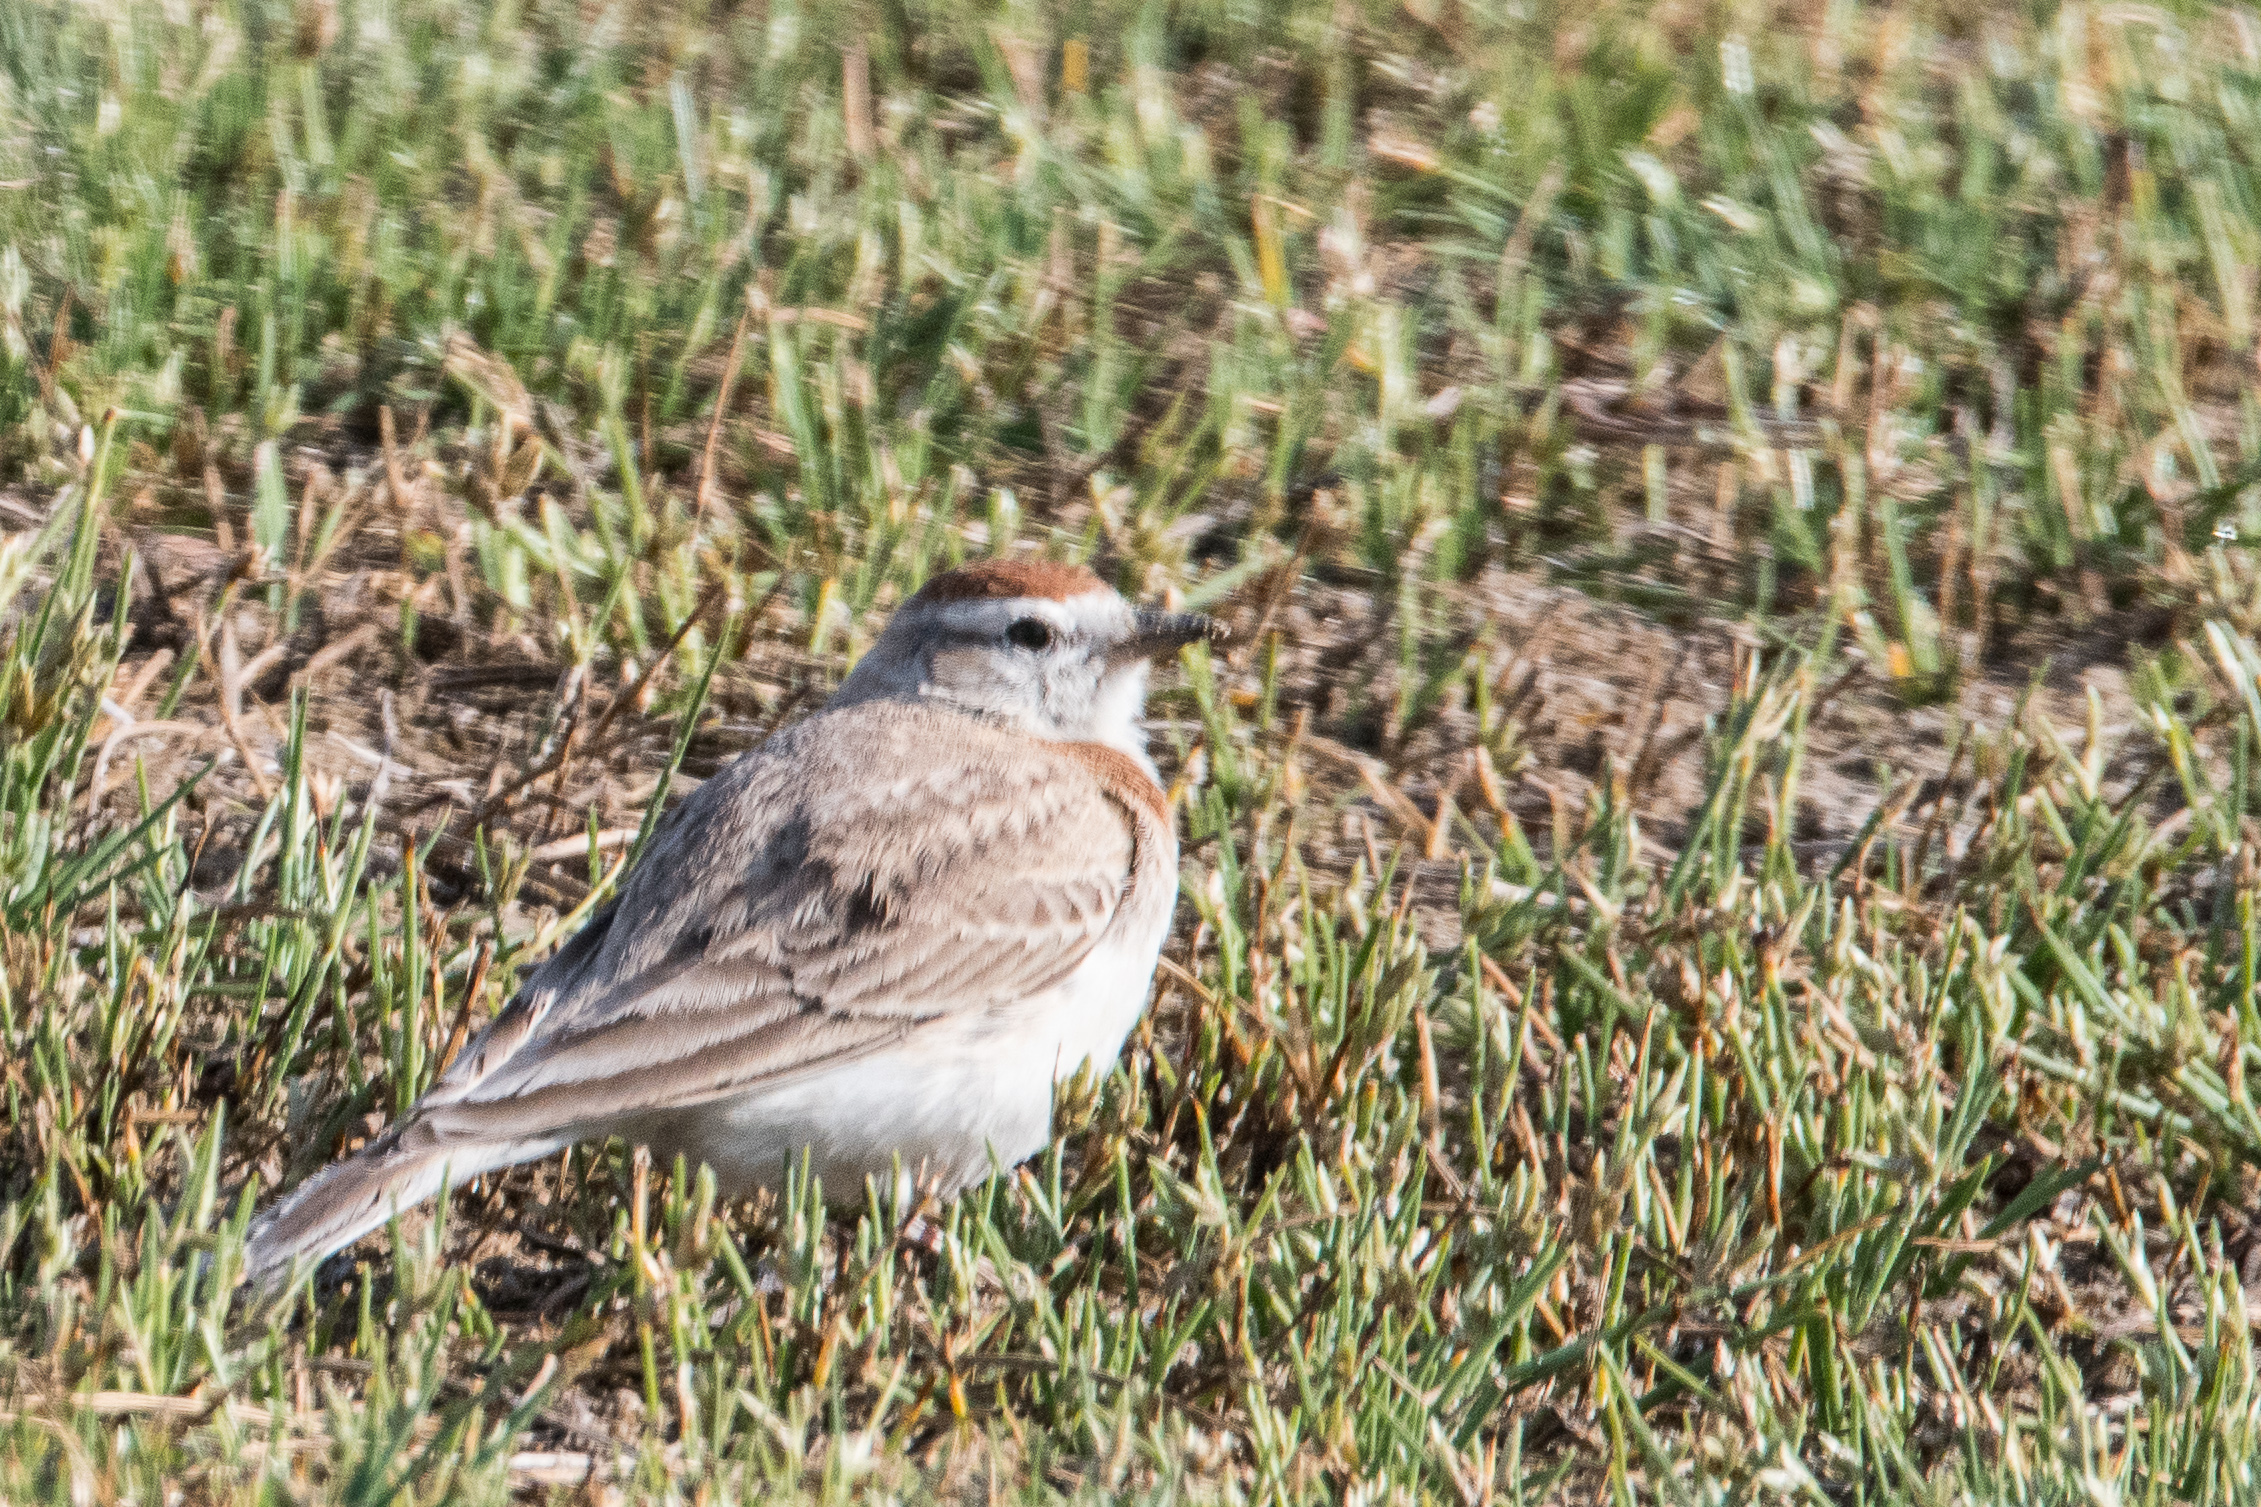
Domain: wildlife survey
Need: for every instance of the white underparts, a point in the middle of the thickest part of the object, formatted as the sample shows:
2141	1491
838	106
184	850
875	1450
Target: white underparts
957	1098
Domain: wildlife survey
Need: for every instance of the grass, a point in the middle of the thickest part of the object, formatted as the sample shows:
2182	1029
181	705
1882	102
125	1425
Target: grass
432	433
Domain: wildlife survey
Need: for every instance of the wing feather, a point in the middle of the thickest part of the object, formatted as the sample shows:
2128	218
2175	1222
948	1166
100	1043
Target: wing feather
861	874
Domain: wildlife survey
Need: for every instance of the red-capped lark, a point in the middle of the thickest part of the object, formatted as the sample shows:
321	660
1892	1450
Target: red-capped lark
878	940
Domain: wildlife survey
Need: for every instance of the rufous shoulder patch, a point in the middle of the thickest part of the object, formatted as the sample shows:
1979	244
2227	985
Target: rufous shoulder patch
988	580
1121	777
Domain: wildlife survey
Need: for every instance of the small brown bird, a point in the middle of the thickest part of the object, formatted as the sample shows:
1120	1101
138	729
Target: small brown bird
879	939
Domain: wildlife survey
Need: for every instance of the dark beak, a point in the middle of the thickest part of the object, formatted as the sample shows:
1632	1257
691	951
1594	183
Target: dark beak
1159	633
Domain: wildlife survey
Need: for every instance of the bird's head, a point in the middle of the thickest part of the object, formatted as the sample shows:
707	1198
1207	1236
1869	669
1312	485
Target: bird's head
1046	648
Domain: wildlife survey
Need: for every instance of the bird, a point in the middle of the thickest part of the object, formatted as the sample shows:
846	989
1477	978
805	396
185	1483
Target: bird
877	941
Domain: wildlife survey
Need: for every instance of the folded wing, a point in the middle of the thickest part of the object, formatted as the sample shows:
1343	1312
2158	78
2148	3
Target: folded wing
861	875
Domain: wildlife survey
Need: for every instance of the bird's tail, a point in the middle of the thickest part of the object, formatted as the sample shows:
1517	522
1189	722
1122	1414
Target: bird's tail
342	1203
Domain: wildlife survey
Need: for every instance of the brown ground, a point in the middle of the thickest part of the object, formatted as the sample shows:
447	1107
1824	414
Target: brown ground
471	726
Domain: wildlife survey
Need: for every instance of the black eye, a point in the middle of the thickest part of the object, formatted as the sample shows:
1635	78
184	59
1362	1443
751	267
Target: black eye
1030	633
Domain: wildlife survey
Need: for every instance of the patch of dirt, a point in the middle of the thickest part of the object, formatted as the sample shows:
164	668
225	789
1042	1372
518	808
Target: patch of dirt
453	725
1598	691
